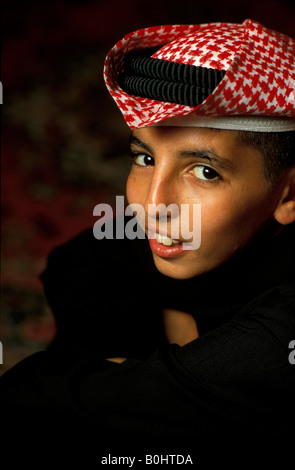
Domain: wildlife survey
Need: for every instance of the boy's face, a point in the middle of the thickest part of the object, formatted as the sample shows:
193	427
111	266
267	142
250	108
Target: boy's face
199	166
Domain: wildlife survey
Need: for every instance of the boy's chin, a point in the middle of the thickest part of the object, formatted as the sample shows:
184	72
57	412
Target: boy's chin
177	268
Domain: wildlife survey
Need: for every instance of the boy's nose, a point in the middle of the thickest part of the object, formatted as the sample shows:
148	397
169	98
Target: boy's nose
162	193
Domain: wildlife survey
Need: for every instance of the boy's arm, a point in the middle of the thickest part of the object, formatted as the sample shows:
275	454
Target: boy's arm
179	328
234	381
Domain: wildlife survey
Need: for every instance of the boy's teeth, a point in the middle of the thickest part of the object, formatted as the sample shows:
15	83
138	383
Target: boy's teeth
167	241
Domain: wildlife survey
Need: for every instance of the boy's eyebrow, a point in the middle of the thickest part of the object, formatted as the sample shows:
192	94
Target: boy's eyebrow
136	141
211	156
206	154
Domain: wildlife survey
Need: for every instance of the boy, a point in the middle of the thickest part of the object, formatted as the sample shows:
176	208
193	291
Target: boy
176	348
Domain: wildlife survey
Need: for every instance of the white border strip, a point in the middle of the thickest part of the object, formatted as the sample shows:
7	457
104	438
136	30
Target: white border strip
241	123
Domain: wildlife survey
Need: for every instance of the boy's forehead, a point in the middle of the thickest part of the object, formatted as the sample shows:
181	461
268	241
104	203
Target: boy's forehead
188	139
183	134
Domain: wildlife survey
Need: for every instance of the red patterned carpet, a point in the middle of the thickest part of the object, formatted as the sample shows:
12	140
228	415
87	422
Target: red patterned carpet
64	144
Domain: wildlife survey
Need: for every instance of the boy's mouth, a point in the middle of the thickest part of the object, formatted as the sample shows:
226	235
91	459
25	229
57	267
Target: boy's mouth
165	240
164	246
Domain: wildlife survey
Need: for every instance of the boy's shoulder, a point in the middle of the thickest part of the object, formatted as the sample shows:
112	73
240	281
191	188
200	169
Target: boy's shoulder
84	258
112	245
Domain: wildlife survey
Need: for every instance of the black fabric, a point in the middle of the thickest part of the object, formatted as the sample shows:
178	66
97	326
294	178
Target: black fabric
171	82
227	395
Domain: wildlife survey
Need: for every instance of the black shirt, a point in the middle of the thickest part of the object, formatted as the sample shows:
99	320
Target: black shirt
230	392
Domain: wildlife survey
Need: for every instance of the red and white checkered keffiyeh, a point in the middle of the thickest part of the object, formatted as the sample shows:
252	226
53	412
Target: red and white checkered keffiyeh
259	81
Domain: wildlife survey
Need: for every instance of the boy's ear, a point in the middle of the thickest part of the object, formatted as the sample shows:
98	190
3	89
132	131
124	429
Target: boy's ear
285	210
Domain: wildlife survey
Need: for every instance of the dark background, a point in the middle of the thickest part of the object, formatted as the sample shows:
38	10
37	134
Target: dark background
64	143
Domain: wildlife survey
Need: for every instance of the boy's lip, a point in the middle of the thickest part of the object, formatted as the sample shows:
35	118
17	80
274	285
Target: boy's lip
153	231
164	251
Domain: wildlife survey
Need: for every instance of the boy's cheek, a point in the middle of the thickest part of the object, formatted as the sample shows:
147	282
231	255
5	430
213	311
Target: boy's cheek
133	190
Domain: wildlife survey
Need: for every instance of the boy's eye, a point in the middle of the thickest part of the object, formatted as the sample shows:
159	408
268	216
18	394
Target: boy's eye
205	173
142	159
